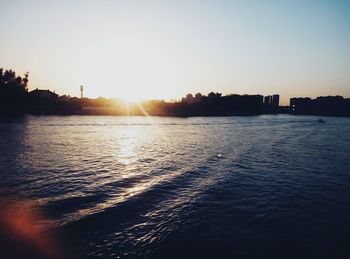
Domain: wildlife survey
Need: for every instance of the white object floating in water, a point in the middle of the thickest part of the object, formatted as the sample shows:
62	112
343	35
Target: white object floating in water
219	155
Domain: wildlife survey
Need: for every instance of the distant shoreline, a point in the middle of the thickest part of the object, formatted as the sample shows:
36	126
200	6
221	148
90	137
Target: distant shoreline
15	99
169	116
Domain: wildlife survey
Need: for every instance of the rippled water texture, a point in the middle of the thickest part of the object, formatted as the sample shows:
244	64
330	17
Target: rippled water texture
239	187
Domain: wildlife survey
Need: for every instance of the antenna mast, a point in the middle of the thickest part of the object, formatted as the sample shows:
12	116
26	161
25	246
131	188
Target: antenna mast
81	91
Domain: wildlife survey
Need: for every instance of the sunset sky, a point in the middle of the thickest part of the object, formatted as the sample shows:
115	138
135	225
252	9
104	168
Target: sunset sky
165	49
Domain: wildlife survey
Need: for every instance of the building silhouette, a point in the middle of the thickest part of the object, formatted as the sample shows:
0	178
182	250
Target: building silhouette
271	103
275	100
323	105
39	95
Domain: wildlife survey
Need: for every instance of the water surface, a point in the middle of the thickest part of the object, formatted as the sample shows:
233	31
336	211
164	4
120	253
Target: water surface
274	186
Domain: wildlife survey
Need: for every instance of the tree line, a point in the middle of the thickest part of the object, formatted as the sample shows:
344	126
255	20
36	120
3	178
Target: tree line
15	99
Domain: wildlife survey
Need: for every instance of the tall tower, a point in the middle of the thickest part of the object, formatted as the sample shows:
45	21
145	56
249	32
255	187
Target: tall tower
81	91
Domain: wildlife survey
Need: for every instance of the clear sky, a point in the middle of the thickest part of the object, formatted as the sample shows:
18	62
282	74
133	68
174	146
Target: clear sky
165	49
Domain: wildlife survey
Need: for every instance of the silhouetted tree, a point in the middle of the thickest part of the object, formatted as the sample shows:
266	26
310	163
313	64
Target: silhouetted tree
188	99
198	97
13	92
213	95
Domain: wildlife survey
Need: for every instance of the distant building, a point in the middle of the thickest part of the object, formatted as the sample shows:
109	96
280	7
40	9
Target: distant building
268	99
259	98
47	94
275	100
42	96
323	105
300	104
271	103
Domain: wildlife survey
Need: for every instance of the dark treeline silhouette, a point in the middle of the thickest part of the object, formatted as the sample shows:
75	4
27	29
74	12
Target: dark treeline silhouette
46	102
15	99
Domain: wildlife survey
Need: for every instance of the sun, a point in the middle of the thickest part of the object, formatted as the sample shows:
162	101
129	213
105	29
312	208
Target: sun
129	99
128	95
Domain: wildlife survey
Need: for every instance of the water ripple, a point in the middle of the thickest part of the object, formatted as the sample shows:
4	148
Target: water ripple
186	187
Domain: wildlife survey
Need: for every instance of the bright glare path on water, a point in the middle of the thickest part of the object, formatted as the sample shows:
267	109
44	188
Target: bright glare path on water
277	186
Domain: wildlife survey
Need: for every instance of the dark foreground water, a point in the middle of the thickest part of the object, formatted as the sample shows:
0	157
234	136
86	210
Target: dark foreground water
237	187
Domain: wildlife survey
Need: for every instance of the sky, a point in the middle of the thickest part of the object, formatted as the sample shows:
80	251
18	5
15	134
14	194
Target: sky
166	49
